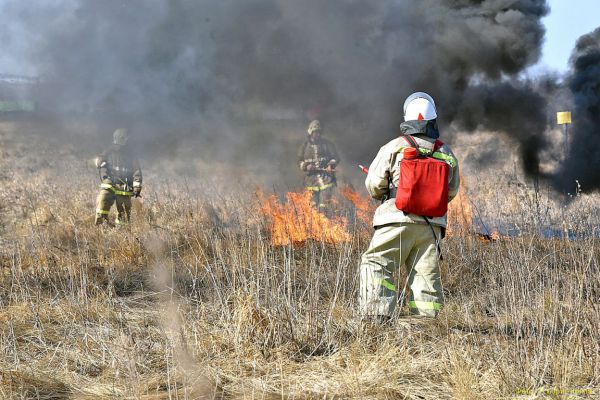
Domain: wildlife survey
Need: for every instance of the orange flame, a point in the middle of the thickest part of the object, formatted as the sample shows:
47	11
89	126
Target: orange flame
460	213
363	204
297	221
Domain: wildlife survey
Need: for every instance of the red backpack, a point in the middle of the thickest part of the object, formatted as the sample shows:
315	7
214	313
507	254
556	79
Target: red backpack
423	182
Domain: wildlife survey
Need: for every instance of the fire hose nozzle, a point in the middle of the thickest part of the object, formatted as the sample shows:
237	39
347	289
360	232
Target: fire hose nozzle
363	168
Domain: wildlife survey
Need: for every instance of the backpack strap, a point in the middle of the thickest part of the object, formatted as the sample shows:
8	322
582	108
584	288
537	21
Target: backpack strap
436	145
411	141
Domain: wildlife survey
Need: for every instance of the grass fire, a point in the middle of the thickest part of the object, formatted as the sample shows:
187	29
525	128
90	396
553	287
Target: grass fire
253	297
272	199
297	221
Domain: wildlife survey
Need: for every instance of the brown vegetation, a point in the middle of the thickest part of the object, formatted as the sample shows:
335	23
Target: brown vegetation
193	301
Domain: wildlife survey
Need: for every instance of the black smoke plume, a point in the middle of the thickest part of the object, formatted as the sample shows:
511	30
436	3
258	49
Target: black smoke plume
582	163
202	67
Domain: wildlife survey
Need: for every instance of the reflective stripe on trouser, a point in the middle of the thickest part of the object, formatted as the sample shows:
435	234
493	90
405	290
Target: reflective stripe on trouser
322	198
393	245
321	185
116	191
106	198
320	188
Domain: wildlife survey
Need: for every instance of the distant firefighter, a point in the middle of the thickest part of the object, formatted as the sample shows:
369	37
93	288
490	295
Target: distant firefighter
121	178
318	159
415	175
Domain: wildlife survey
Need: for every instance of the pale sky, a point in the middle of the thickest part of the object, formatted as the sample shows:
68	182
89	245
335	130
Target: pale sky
567	21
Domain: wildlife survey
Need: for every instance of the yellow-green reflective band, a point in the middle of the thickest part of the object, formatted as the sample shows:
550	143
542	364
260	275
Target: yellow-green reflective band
115	191
438	155
102	212
425	305
421	150
387	285
319	188
322	205
445	157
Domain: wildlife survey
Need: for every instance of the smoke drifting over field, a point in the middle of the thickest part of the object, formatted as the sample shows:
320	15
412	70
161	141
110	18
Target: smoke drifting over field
583	160
181	63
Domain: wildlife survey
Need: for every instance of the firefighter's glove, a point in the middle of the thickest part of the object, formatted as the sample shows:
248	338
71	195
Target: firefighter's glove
107	181
137	192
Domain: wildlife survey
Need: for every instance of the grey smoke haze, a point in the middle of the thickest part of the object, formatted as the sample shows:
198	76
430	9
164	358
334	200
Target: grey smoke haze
197	67
583	159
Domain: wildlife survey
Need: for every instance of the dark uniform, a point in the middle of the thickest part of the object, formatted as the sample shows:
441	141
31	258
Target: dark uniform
121	177
314	157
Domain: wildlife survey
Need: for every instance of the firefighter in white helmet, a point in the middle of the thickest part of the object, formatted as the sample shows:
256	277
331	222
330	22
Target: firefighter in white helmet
120	179
318	158
403	238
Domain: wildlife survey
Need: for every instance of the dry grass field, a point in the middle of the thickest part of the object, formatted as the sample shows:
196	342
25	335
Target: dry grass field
193	301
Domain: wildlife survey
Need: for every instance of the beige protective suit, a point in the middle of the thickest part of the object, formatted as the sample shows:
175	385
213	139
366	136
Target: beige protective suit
403	239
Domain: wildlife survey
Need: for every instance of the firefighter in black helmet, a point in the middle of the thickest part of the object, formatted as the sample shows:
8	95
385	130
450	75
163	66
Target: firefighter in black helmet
121	179
318	158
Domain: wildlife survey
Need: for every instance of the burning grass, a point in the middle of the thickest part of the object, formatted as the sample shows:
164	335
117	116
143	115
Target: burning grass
196	300
297	221
460	213
364	205
204	311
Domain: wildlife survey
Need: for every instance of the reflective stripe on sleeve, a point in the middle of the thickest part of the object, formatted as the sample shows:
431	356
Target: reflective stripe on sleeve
319	188
424	305
106	186
387	285
101	212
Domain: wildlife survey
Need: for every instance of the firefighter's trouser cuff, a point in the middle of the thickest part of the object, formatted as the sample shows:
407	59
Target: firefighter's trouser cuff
101	216
424	308
379	307
378	292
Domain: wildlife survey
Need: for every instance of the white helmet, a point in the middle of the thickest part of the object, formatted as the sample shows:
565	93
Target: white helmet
419	106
